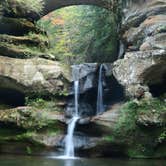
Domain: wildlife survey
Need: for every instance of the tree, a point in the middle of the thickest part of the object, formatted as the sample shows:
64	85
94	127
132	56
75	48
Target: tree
82	34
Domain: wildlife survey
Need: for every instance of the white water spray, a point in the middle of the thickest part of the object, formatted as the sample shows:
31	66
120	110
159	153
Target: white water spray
100	105
69	140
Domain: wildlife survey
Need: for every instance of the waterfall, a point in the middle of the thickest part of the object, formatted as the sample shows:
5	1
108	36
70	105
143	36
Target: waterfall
76	93
100	105
69	140
69	147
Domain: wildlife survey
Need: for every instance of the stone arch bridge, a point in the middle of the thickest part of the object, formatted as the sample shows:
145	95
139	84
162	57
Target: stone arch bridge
51	5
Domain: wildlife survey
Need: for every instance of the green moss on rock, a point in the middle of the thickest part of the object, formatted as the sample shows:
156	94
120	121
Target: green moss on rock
141	128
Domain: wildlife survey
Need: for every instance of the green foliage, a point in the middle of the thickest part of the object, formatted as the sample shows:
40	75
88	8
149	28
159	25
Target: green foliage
126	124
82	34
109	138
130	112
29	150
162	136
40	103
141	141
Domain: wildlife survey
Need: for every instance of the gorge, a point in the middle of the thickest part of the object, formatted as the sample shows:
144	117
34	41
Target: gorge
101	99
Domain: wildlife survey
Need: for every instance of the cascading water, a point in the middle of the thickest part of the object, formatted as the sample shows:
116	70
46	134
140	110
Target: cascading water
69	145
69	142
100	105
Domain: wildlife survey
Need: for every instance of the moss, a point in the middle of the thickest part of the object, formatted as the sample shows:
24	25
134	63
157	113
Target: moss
23	51
109	138
29	150
142	141
29	40
162	136
46	105
29	118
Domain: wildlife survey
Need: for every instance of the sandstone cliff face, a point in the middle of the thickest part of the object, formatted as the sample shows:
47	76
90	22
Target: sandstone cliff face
37	75
143	34
19	35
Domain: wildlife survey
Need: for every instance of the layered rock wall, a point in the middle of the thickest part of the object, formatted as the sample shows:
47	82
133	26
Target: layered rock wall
143	33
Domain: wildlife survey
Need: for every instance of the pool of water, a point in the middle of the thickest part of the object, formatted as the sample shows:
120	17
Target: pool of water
6	160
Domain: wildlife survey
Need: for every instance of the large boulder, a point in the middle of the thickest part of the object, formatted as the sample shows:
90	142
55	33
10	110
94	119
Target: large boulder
139	69
37	75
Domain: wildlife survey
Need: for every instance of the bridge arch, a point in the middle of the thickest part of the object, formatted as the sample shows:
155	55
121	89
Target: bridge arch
51	5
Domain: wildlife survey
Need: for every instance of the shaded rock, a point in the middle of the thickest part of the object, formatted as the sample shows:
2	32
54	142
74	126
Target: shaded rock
138	12
142	19
85	109
84	121
135	36
37	76
81	141
109	118
35	40
23	51
46	139
154	42
86	74
152	119
16	26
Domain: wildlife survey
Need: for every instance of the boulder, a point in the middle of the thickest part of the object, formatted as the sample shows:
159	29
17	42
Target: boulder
86	74
108	118
139	69
36	75
85	109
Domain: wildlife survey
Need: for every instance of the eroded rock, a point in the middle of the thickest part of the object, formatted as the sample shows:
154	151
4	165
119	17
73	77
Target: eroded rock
30	118
37	75
138	69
